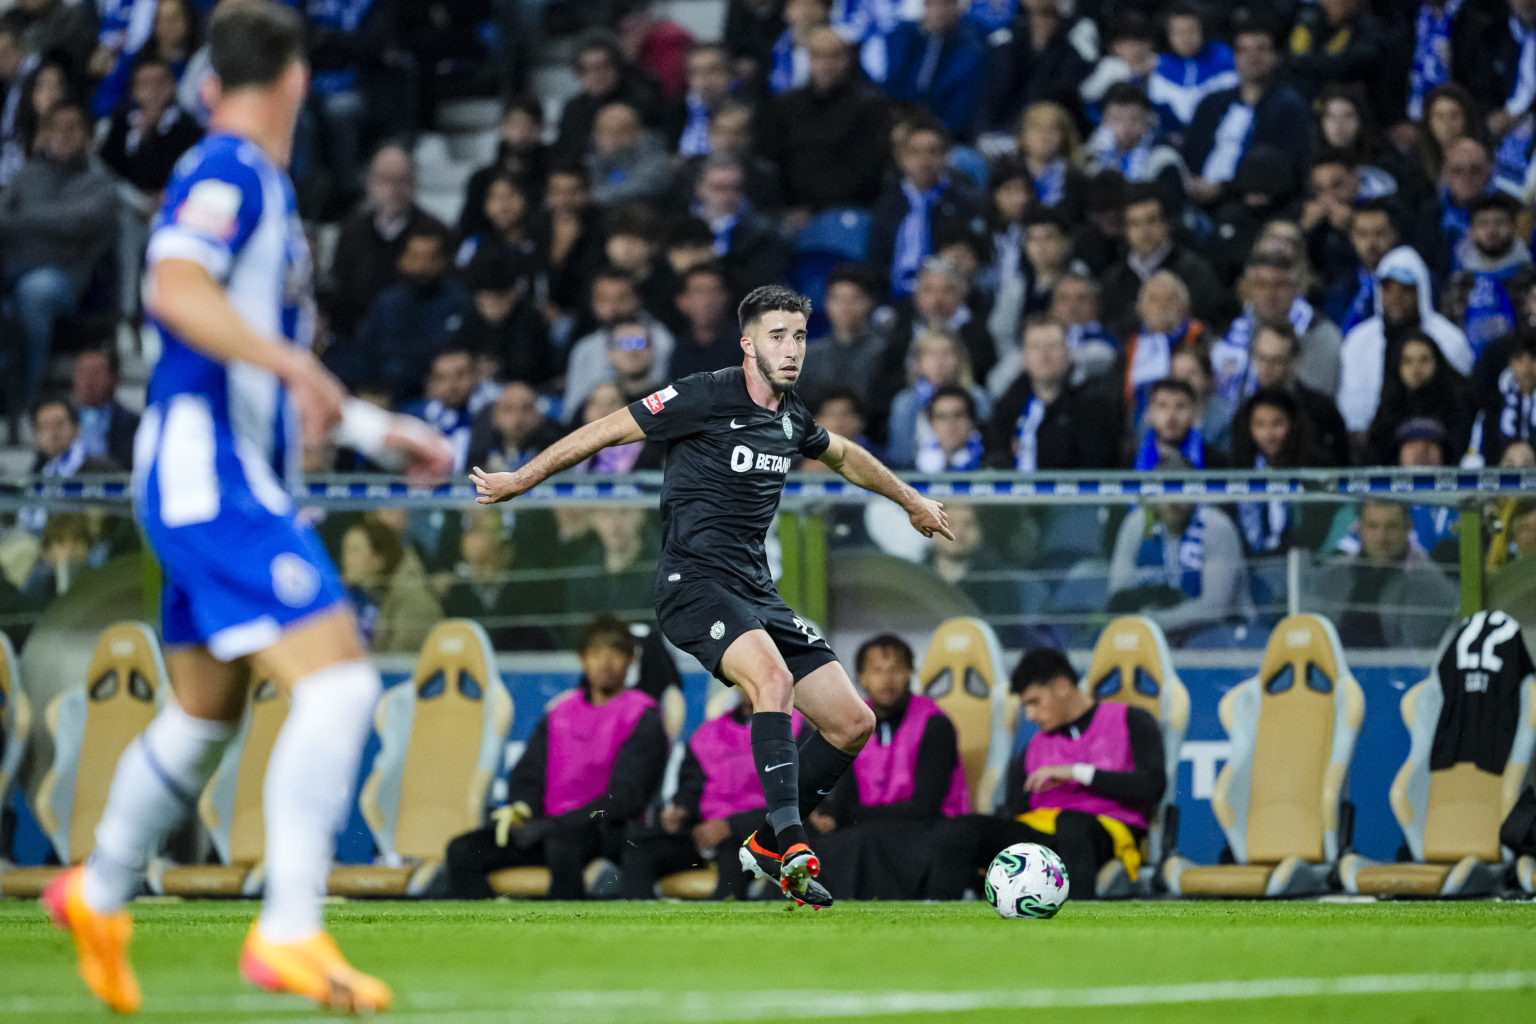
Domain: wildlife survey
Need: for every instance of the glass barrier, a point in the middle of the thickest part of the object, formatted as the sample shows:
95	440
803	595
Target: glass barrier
1212	570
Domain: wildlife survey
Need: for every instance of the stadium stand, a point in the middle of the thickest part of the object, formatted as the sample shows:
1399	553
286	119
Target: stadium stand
1293	729
231	809
1475	712
1132	665
441	738
122	687
962	671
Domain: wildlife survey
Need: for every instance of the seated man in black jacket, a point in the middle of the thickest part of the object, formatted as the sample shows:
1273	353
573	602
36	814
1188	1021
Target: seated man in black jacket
907	778
1086	786
591	766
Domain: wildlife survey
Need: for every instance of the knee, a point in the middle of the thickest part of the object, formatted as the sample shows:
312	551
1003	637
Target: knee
852	729
772	690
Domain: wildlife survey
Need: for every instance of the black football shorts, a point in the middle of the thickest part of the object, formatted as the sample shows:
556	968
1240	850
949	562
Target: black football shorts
703	617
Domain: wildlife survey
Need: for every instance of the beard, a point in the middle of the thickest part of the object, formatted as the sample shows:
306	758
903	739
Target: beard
779	386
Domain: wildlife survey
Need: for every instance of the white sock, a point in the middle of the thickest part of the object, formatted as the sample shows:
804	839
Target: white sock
309	787
156	785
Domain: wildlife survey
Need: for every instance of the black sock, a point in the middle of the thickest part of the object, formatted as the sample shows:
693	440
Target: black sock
821	765
778	764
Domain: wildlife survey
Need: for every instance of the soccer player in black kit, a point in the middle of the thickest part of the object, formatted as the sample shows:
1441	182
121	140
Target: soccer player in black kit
732	436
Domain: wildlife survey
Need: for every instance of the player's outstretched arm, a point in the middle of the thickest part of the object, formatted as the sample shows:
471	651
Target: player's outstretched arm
857	466
616	428
188	300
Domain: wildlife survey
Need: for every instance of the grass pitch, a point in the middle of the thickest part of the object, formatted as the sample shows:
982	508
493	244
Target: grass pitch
610	963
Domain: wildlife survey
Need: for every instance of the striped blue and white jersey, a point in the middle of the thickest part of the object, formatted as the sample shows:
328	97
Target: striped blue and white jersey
213	428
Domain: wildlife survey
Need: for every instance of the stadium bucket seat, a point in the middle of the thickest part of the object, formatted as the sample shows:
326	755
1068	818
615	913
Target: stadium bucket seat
1131	665
440	742
962	671
1451	816
15	723
231	809
1293	729
102	716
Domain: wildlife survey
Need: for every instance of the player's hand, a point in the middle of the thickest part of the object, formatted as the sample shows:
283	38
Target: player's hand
493	487
1049	777
318	394
928	518
709	834
428	455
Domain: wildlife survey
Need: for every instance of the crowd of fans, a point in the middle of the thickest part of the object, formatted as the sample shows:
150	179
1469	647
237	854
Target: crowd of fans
1101	235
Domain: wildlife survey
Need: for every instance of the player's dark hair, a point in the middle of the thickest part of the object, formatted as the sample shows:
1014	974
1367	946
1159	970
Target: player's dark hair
606	631
1178	387
952	391
39	404
770	298
253	42
884	642
1041	667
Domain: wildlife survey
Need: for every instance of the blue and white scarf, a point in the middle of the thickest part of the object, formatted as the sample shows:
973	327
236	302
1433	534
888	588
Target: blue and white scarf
63	465
1232	136
695	138
1431	54
790	65
1051	184
913	240
1151	362
1490	311
1230	361
1192	448
1363	306
931	458
1517	421
1512	162
454	424
1152	556
1132	163
1523	94
1263	523
1026	436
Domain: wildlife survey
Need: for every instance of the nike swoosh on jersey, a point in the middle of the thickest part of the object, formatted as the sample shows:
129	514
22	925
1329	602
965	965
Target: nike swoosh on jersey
738	426
775	767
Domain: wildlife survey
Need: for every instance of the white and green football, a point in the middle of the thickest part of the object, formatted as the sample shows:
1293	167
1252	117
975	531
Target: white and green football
1026	880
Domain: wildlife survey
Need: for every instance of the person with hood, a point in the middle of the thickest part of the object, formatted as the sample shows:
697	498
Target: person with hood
1403	304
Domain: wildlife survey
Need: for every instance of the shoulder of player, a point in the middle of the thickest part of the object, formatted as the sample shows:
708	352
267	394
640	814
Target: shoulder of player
220	160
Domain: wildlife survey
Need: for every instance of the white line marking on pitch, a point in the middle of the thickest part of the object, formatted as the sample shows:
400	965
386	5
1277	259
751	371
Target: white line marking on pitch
646	1005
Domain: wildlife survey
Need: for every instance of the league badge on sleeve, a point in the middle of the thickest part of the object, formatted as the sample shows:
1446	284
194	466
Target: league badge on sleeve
211	208
658	399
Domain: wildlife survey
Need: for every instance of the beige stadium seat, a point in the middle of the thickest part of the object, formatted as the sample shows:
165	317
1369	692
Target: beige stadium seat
231	809
1450	817
1293	729
1131	665
115	704
962	671
440	741
15	723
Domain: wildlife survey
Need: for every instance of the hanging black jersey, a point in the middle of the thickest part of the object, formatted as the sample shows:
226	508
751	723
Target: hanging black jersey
1481	674
725	470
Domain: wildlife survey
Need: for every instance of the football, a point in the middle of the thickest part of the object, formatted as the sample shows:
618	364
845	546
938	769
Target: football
1026	880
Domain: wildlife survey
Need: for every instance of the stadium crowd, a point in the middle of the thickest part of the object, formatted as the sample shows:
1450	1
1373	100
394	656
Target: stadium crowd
1040	236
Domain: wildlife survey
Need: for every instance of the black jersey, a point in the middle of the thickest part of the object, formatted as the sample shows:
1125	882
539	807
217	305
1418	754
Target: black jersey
1481	674
725	472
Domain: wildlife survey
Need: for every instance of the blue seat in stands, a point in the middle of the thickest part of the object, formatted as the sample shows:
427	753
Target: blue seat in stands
971	164
832	238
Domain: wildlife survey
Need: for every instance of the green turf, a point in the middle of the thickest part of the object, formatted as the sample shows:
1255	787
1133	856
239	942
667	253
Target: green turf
957	963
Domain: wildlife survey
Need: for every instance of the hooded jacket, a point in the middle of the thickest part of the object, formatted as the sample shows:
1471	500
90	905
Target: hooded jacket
1362	360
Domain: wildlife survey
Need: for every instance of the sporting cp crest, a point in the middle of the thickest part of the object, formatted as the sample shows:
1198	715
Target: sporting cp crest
717	630
789	428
